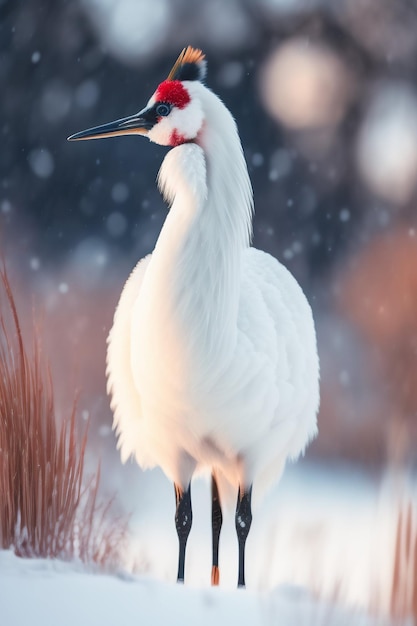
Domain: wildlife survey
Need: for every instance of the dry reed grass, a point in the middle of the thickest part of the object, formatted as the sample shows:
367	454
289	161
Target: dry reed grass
47	508
403	601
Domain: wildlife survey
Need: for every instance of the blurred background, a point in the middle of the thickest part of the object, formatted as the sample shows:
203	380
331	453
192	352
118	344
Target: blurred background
325	98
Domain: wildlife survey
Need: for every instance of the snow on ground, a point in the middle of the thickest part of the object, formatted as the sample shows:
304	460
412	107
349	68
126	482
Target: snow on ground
48	593
327	530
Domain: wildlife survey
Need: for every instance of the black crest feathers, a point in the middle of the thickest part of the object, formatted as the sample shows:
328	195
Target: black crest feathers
190	65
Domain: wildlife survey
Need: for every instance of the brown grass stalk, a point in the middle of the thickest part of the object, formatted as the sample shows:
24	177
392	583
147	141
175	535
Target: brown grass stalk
47	507
403	602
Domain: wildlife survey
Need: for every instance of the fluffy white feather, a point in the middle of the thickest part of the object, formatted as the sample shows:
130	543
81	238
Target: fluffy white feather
212	358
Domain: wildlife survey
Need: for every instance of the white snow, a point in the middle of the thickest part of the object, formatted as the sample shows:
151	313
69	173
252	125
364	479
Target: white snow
389	130
36	57
87	94
5	206
34	263
130	29
41	162
47	593
120	192
322	530
116	224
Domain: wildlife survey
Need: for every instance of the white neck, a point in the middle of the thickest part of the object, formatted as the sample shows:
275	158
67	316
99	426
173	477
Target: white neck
196	265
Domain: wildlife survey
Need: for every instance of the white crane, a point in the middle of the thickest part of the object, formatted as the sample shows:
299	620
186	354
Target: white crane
212	359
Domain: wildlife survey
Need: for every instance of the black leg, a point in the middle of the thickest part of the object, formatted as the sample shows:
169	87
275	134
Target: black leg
216	525
183	521
243	522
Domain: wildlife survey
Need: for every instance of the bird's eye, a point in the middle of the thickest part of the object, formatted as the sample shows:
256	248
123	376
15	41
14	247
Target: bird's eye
163	109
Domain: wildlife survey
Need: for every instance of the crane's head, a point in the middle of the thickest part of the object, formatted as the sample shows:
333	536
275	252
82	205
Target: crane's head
174	114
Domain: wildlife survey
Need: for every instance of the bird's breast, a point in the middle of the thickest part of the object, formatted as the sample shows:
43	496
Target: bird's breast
171	354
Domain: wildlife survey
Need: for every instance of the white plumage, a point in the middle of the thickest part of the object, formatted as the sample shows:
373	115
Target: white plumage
212	359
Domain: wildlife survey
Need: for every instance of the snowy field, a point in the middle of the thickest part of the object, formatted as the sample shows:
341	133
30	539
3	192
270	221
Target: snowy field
321	547
42	593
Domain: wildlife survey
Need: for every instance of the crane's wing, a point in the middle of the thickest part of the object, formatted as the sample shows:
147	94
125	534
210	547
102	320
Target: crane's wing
125	399
280	327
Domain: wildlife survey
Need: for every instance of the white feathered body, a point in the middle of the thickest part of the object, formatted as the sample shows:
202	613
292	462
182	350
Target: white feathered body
212	358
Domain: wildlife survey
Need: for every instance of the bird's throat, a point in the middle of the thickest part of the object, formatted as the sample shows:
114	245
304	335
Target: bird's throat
194	274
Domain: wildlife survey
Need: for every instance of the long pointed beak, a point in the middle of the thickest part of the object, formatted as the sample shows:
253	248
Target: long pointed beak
138	124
